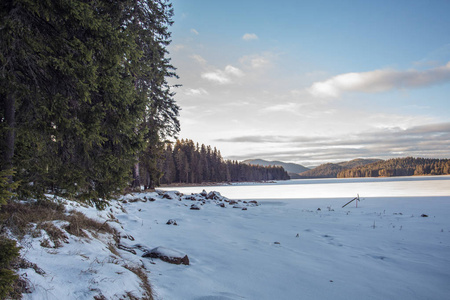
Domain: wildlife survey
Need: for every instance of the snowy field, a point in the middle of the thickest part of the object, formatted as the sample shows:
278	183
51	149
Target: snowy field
383	249
298	243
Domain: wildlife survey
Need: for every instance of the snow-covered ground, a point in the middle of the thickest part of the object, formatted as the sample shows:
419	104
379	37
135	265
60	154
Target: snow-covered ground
298	243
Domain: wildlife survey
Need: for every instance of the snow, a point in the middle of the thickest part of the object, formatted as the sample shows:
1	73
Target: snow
167	252
283	248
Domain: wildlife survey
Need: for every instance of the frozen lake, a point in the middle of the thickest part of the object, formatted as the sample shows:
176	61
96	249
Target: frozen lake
416	186
395	245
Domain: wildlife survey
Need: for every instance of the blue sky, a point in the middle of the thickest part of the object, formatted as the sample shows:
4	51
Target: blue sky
314	81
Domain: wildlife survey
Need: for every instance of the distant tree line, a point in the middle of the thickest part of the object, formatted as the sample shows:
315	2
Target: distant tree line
408	166
187	162
331	170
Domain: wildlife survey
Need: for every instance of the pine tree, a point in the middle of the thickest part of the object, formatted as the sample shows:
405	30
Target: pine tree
80	80
168	166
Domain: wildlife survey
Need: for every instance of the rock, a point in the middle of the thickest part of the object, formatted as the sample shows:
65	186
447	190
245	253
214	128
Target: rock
168	255
213	195
424	216
167	196
195	207
203	193
233	202
277	243
244	208
221	204
171	222
128	236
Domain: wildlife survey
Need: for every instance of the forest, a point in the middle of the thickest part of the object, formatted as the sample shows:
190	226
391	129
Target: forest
407	166
187	162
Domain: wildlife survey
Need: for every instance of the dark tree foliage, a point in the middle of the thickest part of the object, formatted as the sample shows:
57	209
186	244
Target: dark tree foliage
6	187
8	252
400	167
187	162
83	92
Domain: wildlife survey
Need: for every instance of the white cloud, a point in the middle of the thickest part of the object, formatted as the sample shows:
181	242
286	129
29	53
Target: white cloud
196	92
379	81
194	31
217	77
198	58
257	61
223	76
283	107
431	140
249	36
233	71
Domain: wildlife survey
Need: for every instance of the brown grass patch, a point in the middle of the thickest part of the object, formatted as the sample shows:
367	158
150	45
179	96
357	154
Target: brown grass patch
55	234
140	271
78	222
20	217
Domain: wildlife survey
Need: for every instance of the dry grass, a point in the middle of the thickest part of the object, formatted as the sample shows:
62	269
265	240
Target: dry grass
140	271
20	217
55	234
78	223
113	249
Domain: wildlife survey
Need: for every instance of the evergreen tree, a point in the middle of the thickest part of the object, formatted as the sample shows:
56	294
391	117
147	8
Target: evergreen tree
81	83
168	165
198	164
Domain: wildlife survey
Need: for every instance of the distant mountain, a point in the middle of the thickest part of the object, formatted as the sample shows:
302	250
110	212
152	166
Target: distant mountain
328	170
289	167
331	170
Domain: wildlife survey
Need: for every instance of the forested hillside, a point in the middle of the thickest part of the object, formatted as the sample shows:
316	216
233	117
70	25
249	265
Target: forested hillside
400	167
187	162
331	170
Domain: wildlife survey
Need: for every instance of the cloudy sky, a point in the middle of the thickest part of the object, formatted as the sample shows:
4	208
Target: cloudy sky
314	81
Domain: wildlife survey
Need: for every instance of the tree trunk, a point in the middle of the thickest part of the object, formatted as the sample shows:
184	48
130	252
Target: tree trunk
10	118
136	176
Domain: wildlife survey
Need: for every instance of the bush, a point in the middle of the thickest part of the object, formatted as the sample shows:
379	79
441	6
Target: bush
6	186
8	252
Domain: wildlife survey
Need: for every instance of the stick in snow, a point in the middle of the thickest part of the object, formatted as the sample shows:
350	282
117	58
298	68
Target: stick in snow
356	198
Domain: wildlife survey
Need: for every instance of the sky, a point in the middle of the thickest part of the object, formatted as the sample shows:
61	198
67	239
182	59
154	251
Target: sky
313	82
